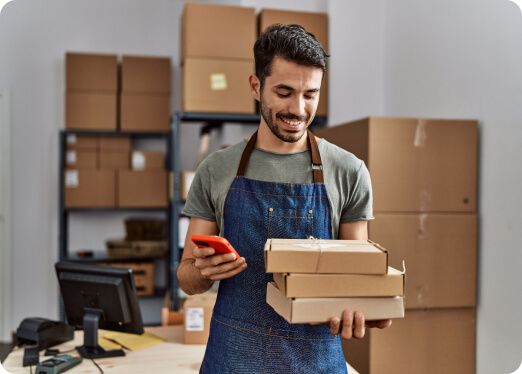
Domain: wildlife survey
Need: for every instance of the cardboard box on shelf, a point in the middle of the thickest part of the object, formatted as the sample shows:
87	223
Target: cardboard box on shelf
142	189
114	160
148	160
217	86
198	312
115	144
89	189
440	251
425	341
416	165
145	112
79	142
341	285
186	178
321	309
325	256
143	273
218	31
146	75
91	72
81	159
90	111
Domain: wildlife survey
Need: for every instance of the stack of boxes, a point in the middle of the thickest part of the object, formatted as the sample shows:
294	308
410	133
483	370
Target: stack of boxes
424	175
315	280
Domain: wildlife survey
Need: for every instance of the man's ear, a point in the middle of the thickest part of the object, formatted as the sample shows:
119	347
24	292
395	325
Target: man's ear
255	87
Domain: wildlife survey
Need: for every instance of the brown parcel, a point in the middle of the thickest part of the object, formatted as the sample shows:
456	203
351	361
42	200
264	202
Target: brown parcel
218	31
416	165
148	160
145	75
217	86
441	253
142	189
90	111
114	160
198	312
341	285
115	143
91	72
145	112
81	159
84	143
425	341
325	256
321	309
89	188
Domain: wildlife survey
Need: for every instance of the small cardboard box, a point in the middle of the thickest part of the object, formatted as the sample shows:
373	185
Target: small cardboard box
217	86
321	309
91	72
145	75
81	159
115	144
114	160
218	31
90	111
142	189
325	256
148	160
341	285
84	143
186	178
145	112
198	312
89	189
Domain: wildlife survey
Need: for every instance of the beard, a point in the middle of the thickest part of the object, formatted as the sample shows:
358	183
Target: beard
284	135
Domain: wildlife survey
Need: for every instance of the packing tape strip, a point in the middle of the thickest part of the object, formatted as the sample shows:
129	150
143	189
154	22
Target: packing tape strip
419	140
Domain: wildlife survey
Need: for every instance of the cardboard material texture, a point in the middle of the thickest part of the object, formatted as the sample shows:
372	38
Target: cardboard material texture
322	309
417	165
341	285
145	112
114	160
198	312
315	23
425	341
146	75
325	256
89	189
90	111
217	86
186	178
115	144
148	160
84	143
218	31
440	251
91	72
81	159
142	189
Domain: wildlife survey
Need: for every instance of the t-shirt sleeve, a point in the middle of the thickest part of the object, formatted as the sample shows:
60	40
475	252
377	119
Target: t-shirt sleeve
359	206
199	200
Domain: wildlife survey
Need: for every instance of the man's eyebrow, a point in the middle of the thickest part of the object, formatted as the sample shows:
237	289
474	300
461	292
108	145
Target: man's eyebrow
283	86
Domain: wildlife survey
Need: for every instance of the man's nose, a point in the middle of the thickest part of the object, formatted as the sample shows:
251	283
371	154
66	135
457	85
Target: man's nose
297	106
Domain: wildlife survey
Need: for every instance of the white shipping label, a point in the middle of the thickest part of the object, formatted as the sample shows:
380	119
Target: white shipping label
218	82
194	319
138	160
183	229
319	245
70	158
189	177
71	139
72	179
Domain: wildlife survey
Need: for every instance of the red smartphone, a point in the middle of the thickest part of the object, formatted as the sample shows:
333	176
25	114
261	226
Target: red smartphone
220	245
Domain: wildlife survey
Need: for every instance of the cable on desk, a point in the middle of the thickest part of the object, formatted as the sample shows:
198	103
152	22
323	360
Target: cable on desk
98	366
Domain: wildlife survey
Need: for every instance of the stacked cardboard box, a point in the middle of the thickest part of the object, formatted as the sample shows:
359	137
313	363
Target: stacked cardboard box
217	58
315	23
424	176
197	315
315	280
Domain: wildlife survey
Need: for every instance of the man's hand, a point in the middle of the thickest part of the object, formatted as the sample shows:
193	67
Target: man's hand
353	324
217	267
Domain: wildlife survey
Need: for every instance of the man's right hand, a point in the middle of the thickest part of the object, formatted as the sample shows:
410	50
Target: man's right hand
217	266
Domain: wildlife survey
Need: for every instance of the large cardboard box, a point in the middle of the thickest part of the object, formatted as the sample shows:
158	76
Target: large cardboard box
425	341
89	189
217	86
81	159
90	111
142	189
114	160
91	72
84	143
325	256
440	251
341	285
115	144
416	165
322	309
148	160
198	312
146	75
145	112
218	31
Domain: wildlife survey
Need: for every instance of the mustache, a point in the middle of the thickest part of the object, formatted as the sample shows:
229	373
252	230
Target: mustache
290	116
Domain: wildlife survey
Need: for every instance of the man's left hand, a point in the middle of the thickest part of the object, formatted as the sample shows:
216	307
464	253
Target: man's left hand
353	324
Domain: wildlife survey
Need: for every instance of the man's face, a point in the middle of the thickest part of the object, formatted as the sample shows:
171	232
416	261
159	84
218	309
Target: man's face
289	98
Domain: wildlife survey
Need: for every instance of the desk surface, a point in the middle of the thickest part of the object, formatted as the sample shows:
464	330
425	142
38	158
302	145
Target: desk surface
170	357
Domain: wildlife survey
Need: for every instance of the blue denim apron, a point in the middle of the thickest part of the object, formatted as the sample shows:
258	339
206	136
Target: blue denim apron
246	334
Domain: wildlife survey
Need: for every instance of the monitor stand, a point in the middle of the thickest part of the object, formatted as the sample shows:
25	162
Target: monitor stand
90	347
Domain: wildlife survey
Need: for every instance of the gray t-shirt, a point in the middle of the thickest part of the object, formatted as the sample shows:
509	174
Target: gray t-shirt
346	178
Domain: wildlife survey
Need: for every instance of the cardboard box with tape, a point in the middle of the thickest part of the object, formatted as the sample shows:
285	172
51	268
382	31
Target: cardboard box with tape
142	189
148	160
198	312
89	188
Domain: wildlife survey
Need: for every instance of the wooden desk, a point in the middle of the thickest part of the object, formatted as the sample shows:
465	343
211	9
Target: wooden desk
170	357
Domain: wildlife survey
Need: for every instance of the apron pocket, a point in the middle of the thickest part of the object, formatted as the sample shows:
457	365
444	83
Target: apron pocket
289	223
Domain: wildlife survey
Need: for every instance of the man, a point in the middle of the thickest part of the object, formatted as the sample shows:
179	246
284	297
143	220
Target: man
268	188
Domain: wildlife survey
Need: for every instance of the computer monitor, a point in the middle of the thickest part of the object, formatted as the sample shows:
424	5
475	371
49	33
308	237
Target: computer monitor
99	297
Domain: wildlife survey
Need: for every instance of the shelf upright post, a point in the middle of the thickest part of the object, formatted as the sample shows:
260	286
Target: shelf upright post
174	213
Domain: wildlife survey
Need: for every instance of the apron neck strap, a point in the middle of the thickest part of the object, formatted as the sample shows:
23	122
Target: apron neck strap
317	164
